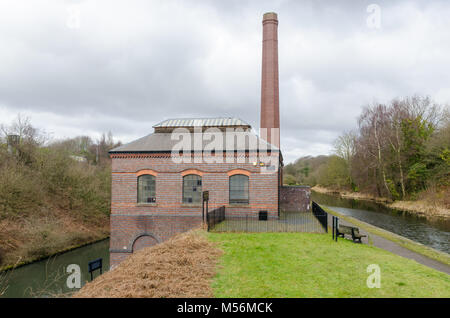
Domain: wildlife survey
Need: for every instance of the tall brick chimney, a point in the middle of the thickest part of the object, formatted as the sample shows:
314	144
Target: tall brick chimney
270	104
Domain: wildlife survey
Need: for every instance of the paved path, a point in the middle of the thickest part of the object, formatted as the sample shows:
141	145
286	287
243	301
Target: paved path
395	248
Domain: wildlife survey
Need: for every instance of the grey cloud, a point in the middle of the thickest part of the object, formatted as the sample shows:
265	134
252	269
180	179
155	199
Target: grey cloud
131	65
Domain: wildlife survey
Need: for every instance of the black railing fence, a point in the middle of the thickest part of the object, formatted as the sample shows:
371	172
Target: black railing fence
321	215
215	217
313	221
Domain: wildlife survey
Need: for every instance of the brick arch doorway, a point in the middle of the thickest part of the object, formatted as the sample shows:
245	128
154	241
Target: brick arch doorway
142	241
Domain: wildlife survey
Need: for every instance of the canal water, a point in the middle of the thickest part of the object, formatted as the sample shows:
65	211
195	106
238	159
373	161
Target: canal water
431	232
48	278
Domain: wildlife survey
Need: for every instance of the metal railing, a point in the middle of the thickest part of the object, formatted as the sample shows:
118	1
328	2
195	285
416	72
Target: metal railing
215	217
315	221
321	215
286	222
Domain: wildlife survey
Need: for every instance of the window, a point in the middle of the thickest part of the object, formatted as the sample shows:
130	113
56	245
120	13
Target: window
239	189
192	189
146	189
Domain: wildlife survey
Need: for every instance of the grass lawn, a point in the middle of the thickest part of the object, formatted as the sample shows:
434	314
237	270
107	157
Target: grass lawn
312	265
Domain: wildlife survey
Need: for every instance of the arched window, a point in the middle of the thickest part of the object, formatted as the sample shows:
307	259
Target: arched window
146	189
192	189
239	189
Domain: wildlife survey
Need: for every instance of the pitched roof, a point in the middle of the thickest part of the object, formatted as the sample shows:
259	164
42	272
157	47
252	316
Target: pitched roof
163	142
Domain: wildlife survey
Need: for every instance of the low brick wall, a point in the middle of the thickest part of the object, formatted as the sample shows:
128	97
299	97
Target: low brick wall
295	198
130	233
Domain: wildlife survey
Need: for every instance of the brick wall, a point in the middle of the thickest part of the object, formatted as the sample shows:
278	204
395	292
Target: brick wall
130	232
168	216
295	198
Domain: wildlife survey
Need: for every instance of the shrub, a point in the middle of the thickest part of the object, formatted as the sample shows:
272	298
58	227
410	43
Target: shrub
20	191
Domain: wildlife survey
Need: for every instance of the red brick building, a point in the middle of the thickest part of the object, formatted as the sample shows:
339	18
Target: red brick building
155	196
157	181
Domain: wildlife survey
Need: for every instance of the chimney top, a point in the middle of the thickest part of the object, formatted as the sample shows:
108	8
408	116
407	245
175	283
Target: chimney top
270	16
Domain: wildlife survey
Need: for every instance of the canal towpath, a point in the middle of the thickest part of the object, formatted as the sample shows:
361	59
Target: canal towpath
391	246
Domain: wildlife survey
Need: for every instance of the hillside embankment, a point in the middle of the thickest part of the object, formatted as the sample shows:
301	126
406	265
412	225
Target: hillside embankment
34	238
50	200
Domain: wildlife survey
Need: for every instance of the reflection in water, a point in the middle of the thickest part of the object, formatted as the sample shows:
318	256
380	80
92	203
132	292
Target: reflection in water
431	232
47	278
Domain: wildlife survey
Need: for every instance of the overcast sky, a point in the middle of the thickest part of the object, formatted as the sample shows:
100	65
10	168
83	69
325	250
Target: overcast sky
87	67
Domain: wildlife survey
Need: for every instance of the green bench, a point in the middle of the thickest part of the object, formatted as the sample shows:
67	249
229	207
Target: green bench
352	231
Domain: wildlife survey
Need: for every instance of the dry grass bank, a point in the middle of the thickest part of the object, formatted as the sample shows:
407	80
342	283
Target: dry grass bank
421	207
181	267
349	195
49	203
26	239
434	204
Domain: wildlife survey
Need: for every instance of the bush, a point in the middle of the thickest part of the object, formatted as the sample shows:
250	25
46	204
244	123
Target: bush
20	191
48	176
289	179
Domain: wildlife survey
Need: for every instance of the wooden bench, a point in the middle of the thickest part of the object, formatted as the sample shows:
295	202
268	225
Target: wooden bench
350	230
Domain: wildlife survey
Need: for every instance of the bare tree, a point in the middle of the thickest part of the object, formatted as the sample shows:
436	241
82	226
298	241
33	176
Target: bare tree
22	127
373	122
397	114
423	107
344	147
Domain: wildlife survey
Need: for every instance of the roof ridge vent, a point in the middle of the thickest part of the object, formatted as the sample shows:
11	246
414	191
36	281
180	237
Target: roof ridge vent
222	123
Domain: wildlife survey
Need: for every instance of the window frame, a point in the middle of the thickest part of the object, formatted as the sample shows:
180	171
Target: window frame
238	201
153	178
199	191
